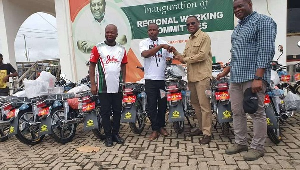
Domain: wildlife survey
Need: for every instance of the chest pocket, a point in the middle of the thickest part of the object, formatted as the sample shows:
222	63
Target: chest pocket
196	45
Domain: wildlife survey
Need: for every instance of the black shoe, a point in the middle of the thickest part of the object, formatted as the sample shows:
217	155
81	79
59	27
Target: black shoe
108	141
118	139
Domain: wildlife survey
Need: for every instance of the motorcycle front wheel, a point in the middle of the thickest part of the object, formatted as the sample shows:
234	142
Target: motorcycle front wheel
61	133
28	131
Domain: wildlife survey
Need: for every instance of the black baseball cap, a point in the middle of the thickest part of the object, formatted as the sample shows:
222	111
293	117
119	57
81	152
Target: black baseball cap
250	101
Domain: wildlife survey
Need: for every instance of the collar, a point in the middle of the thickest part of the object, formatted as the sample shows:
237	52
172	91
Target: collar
196	34
247	18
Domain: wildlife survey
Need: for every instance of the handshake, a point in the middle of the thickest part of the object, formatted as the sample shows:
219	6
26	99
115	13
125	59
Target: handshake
173	50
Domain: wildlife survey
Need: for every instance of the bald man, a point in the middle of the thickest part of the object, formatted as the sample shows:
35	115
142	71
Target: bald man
110	59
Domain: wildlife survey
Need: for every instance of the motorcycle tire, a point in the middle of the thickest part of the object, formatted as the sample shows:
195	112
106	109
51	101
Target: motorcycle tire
99	132
225	128
274	135
4	134
138	126
61	133
24	128
178	127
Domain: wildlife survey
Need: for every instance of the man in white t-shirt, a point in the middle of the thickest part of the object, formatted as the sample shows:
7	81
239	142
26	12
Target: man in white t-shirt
155	52
110	58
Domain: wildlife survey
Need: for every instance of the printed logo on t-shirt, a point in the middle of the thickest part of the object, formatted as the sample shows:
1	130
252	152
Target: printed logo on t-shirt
3	73
110	59
158	54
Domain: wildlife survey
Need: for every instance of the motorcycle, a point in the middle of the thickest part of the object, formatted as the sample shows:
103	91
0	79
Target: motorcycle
66	117
134	106
178	97
36	122
220	99
275	106
26	126
11	106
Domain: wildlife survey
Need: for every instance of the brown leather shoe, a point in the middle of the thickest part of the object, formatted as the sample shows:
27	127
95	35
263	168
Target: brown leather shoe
164	132
205	140
154	135
197	132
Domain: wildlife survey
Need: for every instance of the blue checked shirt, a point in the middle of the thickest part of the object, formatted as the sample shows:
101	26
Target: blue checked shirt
253	47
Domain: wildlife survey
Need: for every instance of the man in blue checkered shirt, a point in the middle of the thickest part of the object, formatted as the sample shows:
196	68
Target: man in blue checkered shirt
253	48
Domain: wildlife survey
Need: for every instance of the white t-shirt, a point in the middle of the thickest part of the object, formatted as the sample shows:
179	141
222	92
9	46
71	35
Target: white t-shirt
109	60
154	66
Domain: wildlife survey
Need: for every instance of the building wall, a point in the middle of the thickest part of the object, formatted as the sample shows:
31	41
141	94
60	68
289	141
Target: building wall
271	8
292	48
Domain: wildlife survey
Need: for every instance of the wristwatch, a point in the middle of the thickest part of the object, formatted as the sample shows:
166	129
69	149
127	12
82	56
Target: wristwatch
257	77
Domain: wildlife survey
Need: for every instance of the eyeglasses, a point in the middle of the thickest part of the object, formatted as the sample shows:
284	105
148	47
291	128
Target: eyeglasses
191	23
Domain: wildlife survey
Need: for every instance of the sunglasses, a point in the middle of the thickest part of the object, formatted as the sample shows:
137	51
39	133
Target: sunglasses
191	23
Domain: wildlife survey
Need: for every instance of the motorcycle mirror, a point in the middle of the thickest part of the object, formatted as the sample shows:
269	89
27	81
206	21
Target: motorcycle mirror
280	49
298	44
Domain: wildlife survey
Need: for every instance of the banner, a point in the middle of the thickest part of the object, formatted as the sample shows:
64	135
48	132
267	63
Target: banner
214	15
132	17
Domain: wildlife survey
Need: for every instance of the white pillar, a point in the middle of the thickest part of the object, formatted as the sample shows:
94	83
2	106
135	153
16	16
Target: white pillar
66	48
8	31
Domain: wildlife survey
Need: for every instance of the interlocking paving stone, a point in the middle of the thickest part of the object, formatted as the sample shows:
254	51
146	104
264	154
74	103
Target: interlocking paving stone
177	151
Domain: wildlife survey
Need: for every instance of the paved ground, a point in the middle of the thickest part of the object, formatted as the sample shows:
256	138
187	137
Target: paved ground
174	152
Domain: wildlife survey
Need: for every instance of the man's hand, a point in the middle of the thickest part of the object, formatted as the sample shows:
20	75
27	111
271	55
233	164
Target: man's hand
165	46
220	75
94	89
256	86
172	49
5	79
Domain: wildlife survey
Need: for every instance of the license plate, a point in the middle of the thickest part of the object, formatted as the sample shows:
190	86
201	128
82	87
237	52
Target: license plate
88	106
174	96
43	111
129	99
222	95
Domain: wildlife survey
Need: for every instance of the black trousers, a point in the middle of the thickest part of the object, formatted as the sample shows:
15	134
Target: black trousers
111	103
156	105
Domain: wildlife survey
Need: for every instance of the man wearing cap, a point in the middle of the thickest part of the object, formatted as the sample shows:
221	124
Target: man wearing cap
6	71
253	48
